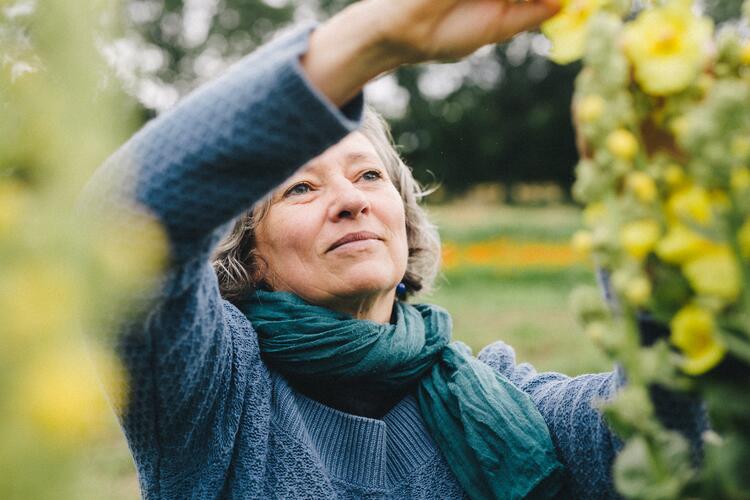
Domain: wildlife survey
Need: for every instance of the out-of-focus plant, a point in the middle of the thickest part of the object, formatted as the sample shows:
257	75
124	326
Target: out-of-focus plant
59	119
662	109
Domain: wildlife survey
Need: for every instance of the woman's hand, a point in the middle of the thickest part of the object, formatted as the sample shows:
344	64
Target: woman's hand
374	36
423	30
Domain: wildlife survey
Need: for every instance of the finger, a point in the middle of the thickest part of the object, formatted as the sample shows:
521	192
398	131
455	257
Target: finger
522	16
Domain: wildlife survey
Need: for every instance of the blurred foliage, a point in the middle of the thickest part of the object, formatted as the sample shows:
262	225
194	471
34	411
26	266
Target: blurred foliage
61	117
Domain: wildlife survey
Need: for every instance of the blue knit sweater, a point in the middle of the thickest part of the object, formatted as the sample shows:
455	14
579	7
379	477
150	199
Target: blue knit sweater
206	418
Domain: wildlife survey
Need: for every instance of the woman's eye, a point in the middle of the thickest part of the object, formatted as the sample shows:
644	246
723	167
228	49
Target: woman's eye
300	188
372	175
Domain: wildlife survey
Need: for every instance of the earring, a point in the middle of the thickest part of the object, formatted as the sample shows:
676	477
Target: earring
401	290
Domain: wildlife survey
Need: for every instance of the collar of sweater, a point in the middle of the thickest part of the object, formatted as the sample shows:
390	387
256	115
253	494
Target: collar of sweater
364	451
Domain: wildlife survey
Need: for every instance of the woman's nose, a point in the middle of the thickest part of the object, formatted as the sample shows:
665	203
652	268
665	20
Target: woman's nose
348	202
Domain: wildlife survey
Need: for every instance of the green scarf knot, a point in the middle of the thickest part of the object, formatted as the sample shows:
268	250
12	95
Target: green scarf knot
491	434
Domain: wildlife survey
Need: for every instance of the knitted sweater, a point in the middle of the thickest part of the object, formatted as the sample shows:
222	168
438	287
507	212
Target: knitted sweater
206	418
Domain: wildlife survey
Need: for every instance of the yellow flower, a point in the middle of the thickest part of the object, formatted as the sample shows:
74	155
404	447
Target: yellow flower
61	395
638	238
39	298
568	29
133	250
13	201
594	214
622	144
583	242
691	203
693	330
642	185
745	54
638	291
668	47
590	108
674	175
743	236
681	244
715	273
739	180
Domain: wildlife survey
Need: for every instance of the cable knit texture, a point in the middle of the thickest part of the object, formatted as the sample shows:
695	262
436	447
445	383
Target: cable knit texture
206	418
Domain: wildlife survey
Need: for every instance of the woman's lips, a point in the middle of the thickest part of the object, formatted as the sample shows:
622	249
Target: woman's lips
349	238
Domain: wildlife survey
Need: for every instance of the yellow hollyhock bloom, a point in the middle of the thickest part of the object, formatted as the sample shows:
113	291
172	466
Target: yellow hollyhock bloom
39	298
638	238
568	29
744	238
62	397
693	330
594	213
739	180
674	175
681	244
668	47
13	201
583	242
590	108
642	186
638	291
745	54
622	144
692	203
715	273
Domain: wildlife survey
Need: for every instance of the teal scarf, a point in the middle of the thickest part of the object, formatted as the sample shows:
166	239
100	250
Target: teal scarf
493	437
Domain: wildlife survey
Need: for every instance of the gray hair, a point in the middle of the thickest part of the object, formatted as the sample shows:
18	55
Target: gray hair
239	267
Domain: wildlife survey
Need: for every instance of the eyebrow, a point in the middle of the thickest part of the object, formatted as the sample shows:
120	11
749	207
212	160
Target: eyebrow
356	156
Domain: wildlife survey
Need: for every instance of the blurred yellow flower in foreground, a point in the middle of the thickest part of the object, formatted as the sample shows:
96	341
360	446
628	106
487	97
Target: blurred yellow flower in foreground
745	54
693	203
582	242
13	201
743	236
642	185
568	29
668	47
716	273
61	396
638	238
638	291
39	297
590	108
674	176
681	244
622	144
739	179
594	213
693	330
133	249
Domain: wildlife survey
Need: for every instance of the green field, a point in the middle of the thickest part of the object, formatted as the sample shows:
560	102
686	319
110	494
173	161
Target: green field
525	307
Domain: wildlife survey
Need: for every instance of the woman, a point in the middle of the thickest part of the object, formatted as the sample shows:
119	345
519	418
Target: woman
314	380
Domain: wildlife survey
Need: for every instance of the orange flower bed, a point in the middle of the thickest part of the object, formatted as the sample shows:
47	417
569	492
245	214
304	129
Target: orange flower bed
507	253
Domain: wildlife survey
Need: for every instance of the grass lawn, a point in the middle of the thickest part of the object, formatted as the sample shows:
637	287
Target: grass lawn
523	303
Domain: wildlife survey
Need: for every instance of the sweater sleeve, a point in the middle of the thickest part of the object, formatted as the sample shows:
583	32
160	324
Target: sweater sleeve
585	444
192	357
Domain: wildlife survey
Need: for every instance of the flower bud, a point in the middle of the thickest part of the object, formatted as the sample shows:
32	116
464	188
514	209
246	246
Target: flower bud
622	144
642	186
638	238
638	291
583	242
590	108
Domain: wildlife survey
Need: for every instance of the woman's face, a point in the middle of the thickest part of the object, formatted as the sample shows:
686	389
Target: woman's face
335	233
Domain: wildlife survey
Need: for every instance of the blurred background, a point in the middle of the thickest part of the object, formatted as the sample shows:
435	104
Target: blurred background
80	76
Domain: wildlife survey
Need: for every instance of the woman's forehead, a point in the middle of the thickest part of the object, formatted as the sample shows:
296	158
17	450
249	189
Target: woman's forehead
352	149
